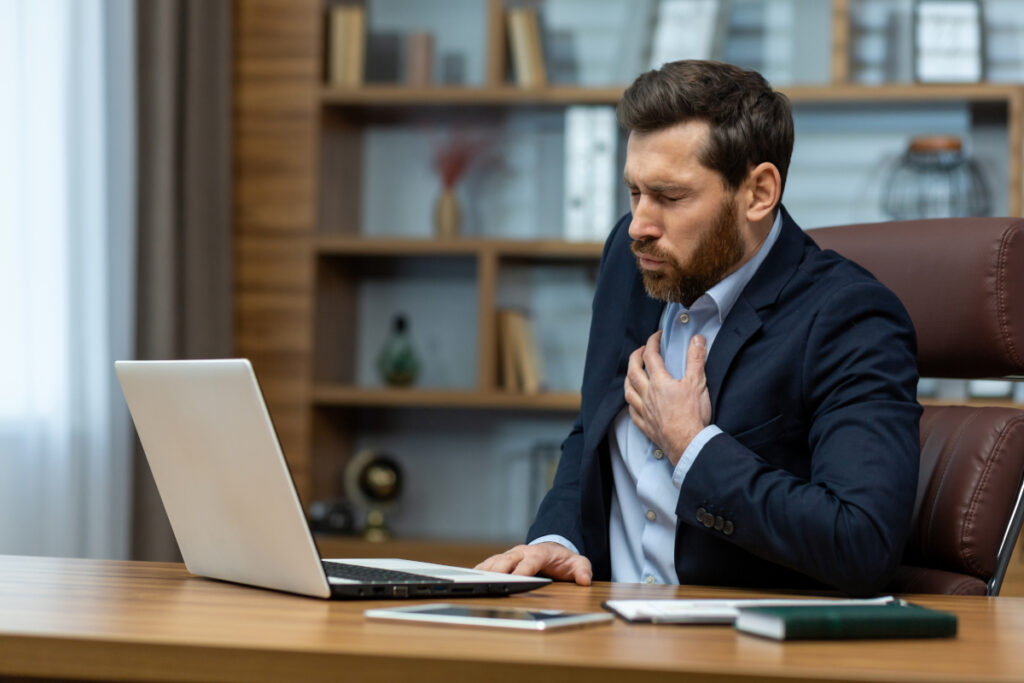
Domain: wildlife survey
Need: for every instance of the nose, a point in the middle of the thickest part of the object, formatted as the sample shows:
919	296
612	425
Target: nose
645	223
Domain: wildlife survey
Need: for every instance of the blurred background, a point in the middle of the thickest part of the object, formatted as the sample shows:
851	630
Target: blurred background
396	210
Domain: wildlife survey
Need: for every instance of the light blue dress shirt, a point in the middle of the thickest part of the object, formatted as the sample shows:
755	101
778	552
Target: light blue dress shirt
646	487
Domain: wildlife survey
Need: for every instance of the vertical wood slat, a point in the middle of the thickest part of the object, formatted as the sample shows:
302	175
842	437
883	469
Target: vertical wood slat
276	82
840	42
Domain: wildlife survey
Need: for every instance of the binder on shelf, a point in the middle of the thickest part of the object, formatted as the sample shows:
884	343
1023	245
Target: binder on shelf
521	367
590	172
686	29
524	39
346	53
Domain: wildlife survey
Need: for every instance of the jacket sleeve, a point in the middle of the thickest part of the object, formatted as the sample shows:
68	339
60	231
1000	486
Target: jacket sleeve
560	511
846	523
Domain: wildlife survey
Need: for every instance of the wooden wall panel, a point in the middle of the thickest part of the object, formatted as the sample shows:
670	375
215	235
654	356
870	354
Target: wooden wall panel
276	114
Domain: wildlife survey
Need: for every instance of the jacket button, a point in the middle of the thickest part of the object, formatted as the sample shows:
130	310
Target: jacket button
700	514
728	528
719	523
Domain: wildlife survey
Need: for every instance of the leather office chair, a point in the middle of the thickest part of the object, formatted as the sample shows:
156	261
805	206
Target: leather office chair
962	281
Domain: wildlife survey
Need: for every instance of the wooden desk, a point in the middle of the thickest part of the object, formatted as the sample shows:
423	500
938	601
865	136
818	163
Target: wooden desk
148	621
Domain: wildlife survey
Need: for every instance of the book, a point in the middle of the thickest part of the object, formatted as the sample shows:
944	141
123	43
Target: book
521	367
419	58
509	377
531	370
717	611
830	622
383	57
347	41
524	40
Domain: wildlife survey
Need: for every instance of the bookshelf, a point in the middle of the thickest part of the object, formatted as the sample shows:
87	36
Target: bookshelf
305	251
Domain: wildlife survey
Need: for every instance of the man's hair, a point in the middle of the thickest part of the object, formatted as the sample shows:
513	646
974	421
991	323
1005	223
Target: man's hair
750	123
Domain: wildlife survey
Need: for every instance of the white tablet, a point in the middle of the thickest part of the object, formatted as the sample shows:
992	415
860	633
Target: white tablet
500	617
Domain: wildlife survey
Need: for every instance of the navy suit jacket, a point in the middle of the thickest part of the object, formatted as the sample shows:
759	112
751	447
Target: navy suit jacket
813	380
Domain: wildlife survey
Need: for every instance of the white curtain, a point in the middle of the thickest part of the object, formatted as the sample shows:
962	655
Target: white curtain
66	274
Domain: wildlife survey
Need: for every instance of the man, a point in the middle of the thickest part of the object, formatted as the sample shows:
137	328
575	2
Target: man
748	410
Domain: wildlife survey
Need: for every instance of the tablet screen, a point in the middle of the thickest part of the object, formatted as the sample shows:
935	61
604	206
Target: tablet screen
480	615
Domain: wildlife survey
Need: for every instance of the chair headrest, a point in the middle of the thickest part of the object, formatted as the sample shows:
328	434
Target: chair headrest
960	279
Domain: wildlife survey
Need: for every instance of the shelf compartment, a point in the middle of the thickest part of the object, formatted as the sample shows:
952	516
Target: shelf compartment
358	295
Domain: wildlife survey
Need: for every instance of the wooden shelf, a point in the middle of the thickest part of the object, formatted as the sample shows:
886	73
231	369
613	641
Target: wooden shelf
380	397
348	396
347	245
440	96
406	96
905	92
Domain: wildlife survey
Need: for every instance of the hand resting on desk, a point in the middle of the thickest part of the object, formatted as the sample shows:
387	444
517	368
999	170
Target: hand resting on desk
548	559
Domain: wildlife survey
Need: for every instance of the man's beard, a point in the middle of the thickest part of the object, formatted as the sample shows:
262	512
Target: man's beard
717	252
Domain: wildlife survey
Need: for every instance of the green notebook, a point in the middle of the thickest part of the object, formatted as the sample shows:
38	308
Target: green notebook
827	622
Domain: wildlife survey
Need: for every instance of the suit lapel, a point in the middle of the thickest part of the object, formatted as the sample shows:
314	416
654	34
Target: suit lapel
642	318
745	318
742	323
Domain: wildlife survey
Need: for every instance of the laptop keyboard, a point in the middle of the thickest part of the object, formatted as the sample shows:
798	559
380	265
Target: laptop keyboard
355	572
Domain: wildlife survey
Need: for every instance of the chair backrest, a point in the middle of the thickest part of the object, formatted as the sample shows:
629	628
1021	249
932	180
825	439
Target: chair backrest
962	282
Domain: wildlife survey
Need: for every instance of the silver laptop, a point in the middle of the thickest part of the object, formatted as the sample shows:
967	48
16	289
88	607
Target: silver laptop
232	503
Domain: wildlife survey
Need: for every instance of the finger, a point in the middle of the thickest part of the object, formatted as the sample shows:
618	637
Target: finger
633	399
530	566
638	418
634	370
542	557
633	387
653	363
583	574
636	376
503	563
696	355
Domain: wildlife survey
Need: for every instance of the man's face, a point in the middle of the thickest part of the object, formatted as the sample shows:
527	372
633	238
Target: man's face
686	229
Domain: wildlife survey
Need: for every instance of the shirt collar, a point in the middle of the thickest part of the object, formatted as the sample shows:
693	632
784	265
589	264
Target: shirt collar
725	293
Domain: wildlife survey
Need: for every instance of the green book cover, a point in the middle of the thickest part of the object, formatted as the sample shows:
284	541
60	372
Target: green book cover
827	622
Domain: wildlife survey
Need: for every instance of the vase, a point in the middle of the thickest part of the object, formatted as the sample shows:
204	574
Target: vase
398	362
447	214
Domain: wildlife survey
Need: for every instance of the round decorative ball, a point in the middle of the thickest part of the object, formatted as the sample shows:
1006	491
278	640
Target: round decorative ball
380	479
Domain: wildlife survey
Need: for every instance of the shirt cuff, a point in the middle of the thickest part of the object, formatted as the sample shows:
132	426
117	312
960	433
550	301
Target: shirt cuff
692	451
555	538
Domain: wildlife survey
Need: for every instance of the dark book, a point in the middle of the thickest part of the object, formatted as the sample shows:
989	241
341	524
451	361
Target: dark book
383	57
830	622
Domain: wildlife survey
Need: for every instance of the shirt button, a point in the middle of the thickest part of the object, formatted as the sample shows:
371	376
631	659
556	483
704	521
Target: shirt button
651	516
649	579
658	454
684	318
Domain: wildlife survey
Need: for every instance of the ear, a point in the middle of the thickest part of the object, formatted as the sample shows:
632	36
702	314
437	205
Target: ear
762	191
